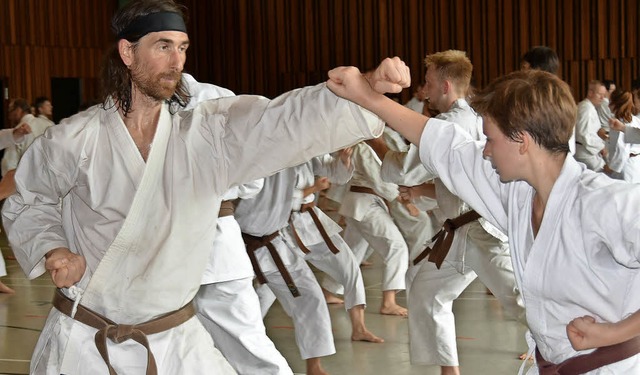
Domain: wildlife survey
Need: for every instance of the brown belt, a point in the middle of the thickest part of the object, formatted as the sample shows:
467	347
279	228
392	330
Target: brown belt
603	356
308	207
362	189
119	333
226	209
253	243
444	238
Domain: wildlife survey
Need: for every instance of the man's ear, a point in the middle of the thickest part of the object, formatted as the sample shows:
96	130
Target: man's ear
446	86
125	48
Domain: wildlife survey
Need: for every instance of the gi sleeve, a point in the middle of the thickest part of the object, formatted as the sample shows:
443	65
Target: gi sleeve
32	216
260	136
618	151
6	138
333	168
404	168
631	134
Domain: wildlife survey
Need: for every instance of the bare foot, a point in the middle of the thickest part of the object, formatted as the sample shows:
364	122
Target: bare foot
314	367
5	289
394	310
331	298
367	336
449	370
524	356
317	371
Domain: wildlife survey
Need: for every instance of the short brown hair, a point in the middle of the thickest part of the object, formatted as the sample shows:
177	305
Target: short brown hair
452	65
21	103
533	101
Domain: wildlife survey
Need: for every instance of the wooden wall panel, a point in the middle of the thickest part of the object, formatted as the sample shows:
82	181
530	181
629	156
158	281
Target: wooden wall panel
271	46
44	39
303	39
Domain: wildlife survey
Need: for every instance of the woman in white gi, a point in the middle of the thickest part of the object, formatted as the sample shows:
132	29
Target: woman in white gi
623	161
119	203
573	233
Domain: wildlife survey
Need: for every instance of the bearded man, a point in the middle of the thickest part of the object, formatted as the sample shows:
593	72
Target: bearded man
119	203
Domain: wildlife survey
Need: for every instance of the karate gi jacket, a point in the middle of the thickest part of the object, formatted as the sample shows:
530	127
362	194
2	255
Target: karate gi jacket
585	259
146	233
588	143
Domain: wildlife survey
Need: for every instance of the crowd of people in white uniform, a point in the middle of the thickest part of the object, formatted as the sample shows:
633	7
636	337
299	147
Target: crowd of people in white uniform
172	215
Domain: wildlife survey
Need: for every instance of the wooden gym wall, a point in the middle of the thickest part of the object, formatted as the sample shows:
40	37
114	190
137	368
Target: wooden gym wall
44	39
270	46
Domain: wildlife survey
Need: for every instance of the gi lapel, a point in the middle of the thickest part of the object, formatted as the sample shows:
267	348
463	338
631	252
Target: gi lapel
109	272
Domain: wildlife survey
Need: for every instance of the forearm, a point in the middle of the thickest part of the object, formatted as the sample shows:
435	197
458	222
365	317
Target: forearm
426	190
627	328
7	184
379	147
408	123
308	191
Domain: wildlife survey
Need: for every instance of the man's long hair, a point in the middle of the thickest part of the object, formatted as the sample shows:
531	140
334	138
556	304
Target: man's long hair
115	75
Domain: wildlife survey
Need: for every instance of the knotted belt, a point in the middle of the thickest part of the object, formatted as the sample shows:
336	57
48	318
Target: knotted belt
119	333
308	207
226	209
253	243
603	356
444	238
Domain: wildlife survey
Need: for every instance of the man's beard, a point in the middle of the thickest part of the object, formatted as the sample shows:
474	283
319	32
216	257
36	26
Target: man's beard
154	86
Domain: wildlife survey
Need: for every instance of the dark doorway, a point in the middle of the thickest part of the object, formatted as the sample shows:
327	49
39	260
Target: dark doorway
66	96
4	91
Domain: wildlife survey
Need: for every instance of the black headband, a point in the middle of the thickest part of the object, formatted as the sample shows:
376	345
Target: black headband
160	21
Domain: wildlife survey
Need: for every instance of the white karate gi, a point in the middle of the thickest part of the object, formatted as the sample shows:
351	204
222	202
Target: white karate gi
588	143
6	140
604	113
632	134
416	230
227	304
369	222
623	154
415	104
46	119
343	266
134	222
584	259
267	213
14	152
478	250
